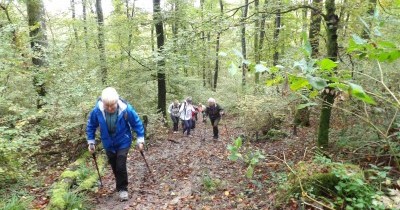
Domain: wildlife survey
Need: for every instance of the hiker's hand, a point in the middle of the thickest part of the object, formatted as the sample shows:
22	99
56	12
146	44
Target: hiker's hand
140	147
91	148
221	113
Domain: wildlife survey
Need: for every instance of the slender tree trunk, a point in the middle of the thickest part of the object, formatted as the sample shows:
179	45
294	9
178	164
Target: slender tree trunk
305	19
315	28
152	38
74	19
217	49
256	34
261	40
276	35
243	40
38	37
101	40
129	16
328	95
203	38
157	17
85	30
210	75
371	10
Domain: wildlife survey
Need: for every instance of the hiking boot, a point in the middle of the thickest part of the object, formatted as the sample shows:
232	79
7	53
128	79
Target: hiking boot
123	195
215	137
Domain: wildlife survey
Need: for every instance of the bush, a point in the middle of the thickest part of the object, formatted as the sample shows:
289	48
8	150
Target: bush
16	203
340	185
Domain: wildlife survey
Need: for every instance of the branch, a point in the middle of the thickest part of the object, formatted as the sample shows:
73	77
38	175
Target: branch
383	8
296	8
136	59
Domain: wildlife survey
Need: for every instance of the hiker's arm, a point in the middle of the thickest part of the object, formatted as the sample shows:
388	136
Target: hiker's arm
91	127
136	124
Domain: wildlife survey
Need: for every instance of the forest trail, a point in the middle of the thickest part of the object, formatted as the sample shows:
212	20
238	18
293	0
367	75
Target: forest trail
181	168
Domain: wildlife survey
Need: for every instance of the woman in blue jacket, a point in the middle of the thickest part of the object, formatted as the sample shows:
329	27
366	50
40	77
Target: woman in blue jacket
115	118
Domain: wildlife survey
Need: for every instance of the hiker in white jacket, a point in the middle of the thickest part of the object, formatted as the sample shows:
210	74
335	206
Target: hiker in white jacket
186	115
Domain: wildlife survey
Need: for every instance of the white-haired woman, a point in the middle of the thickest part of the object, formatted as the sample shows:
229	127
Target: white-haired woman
214	111
115	118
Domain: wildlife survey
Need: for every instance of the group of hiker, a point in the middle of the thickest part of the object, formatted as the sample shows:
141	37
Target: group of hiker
117	119
187	112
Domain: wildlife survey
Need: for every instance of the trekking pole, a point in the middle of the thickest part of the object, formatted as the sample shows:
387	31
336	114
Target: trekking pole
97	168
141	152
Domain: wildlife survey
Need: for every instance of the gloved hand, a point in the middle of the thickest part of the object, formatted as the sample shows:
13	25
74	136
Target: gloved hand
140	147
91	148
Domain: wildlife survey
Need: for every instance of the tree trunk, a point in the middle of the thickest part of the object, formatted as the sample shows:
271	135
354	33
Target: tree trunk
101	40
129	16
203	38
276	35
36	19
157	17
305	19
84	4
74	19
256	32
302	116
315	28
371	10
328	95
243	40
217	49
210	75
261	40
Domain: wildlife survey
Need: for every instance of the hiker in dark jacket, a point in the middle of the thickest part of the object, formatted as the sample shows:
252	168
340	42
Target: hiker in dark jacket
173	110
214	111
116	118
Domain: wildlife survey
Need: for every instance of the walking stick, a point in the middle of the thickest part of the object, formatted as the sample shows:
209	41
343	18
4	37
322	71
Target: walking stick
141	152
97	168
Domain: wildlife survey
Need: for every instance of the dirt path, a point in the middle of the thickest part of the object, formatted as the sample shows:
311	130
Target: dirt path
181	169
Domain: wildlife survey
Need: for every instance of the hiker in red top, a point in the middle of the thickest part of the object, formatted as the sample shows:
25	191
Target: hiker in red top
214	111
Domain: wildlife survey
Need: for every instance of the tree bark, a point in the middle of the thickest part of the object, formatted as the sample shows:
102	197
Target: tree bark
37	33
101	40
315	28
217	49
328	96
157	17
276	35
203	38
261	40
85	30
243	41
256	34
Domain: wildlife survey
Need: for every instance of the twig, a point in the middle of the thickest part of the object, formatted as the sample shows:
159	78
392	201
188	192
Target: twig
305	151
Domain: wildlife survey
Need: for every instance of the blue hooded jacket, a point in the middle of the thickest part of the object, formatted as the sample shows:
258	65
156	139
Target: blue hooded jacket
127	120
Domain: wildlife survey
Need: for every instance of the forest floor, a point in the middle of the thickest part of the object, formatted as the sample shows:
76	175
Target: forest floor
191	173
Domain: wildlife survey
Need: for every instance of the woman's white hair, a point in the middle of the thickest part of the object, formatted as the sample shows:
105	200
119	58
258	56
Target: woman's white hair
109	95
211	100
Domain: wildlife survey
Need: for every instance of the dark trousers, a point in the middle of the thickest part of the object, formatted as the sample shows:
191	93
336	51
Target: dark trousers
175	121
214	123
193	124
187	126
118	165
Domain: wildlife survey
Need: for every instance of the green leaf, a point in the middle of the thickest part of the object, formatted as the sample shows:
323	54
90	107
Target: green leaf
307	45
313	93
316	82
275	81
297	83
249	172
261	68
238	142
358	92
326	64
302	106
